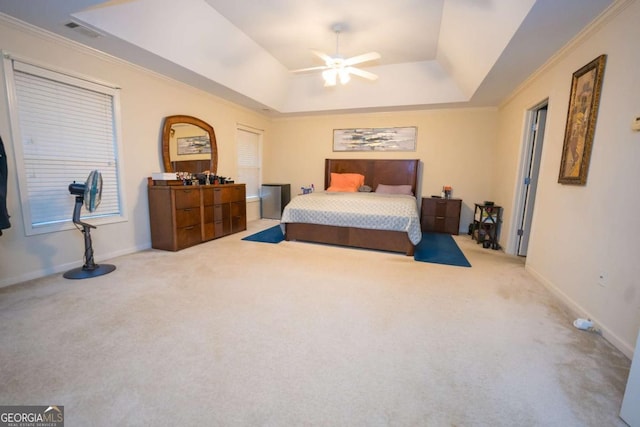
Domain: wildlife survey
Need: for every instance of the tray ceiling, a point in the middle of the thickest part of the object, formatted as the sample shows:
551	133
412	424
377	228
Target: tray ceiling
435	53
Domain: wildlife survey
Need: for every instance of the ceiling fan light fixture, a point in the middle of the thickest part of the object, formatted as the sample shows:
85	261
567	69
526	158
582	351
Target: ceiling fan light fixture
337	67
344	76
330	77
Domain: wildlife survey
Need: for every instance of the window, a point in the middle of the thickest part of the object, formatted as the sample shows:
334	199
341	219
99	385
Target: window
63	127
249	161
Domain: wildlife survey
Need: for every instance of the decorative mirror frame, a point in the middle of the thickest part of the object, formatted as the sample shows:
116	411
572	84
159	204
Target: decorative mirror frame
166	137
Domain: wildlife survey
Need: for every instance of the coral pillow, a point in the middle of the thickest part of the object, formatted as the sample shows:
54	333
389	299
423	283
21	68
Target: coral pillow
348	182
394	189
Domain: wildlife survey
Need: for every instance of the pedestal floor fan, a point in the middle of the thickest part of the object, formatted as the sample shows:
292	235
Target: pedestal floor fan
88	194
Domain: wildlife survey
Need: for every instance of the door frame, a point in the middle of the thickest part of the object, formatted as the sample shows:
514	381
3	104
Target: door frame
527	151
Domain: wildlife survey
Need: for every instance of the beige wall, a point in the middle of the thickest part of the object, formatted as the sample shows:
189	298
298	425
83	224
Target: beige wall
145	100
577	234
580	232
455	147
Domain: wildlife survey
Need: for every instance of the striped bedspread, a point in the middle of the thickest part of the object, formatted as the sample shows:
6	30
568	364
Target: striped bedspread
363	210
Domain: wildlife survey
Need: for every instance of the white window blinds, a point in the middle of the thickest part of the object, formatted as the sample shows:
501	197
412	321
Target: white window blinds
249	161
67	129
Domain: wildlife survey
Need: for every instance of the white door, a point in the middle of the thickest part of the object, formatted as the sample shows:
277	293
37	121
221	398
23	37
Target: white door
530	184
630	411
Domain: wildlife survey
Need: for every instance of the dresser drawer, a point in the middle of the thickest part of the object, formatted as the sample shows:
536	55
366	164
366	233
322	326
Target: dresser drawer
221	228
221	195
229	193
237	193
207	196
208	231
208	214
187	217
238	208
218	212
187	198
188	236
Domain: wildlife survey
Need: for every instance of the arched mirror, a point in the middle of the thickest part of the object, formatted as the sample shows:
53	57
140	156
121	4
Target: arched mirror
188	145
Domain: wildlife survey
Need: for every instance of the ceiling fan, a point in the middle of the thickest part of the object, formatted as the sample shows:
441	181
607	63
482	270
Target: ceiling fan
339	68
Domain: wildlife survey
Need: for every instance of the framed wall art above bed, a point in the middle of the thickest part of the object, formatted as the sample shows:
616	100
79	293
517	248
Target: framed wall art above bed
375	139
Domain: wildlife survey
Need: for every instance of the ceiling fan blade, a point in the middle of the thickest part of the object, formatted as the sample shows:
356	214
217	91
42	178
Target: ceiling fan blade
362	73
304	70
326	58
371	56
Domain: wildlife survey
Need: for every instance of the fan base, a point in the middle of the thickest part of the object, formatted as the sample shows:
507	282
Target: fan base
87	273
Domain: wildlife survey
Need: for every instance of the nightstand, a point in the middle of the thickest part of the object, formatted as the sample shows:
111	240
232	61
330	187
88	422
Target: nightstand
440	215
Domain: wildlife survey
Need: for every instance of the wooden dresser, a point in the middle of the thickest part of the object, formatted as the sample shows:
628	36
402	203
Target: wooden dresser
183	216
440	215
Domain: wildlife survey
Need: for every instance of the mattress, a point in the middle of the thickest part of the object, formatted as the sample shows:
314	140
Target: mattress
375	211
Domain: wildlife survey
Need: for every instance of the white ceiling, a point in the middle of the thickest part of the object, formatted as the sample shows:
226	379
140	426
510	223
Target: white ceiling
287	29
435	53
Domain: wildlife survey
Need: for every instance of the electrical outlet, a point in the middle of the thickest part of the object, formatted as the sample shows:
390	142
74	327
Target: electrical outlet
602	279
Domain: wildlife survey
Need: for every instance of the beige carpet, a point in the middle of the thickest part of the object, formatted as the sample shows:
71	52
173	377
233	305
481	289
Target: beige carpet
243	333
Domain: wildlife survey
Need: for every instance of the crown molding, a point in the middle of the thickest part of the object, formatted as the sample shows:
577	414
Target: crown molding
604	18
33	30
47	35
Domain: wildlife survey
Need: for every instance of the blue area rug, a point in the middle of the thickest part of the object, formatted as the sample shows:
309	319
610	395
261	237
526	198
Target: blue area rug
270	235
440	248
434	247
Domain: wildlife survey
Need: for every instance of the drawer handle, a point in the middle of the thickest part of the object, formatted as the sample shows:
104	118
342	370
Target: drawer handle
439	217
190	227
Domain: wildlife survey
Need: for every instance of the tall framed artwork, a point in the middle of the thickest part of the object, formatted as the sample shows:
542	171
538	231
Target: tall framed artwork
586	85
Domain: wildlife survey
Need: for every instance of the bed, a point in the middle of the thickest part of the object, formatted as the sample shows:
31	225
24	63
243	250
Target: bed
381	231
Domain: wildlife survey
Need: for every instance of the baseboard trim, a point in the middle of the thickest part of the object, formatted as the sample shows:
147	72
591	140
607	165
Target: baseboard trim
37	274
580	312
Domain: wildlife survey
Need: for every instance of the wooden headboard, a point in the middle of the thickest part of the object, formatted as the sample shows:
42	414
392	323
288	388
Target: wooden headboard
390	172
